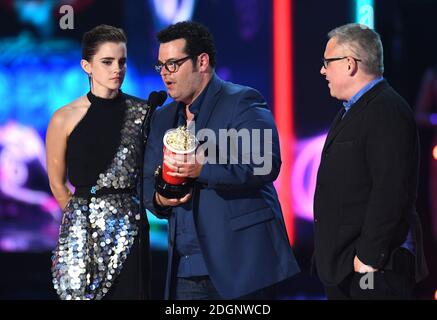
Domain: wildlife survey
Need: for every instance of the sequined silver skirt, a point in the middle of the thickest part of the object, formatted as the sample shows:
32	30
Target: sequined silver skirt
95	238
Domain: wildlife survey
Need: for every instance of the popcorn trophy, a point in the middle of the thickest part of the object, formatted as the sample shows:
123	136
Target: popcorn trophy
179	141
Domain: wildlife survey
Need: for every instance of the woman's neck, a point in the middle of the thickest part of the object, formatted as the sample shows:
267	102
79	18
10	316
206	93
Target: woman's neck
104	92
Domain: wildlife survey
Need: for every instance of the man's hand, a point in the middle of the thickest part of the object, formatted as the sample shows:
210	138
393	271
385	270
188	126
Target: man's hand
183	166
165	202
361	267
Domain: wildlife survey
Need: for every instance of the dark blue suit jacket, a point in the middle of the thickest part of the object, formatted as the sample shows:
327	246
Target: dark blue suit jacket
237	214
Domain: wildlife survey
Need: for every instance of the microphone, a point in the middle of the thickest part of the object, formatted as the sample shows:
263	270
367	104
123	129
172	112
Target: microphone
156	99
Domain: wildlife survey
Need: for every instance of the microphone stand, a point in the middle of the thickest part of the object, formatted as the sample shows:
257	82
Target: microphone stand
153	103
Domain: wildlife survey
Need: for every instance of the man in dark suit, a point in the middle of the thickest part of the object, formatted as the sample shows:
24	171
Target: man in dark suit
227	238
367	233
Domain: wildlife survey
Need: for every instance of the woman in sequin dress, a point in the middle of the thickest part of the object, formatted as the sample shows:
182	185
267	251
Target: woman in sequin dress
103	245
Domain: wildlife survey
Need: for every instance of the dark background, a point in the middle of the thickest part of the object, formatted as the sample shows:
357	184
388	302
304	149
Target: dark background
409	36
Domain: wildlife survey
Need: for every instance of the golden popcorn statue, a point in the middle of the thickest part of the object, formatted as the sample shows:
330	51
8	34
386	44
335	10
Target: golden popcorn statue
180	141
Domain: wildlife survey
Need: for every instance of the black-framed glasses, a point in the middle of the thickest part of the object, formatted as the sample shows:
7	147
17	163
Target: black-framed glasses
171	66
326	61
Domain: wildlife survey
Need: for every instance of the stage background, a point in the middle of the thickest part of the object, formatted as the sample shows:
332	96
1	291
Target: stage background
40	72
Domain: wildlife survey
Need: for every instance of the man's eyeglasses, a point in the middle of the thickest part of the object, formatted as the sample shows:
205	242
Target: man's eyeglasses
328	60
171	66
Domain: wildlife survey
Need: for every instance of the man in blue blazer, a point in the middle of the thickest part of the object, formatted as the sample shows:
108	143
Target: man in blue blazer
227	237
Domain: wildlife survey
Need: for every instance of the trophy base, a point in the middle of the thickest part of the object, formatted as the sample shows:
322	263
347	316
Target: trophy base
168	190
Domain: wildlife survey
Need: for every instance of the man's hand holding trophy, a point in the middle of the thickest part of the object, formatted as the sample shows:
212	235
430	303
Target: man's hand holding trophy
174	180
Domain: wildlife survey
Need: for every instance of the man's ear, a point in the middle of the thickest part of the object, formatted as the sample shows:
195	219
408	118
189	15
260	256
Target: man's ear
85	66
203	62
352	66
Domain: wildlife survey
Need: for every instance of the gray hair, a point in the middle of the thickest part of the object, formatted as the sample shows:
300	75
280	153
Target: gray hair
364	43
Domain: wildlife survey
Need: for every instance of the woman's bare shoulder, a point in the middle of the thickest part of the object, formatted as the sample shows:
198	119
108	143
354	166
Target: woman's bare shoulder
69	115
79	105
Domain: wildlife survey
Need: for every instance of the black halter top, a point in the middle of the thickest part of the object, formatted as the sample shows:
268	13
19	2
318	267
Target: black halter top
93	142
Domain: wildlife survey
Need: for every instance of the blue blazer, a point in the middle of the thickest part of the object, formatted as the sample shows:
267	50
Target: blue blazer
237	214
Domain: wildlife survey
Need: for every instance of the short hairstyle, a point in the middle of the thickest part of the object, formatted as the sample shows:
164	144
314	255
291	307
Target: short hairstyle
364	43
92	39
198	39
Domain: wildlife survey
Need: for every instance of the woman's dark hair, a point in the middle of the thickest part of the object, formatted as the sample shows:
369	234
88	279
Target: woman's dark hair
198	39
92	39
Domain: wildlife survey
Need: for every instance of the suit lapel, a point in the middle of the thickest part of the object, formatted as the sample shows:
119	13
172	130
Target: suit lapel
334	125
210	101
351	114
360	105
170	120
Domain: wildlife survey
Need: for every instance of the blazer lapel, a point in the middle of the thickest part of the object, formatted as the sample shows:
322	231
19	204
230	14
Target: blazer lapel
210	101
170	120
334	125
360	105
